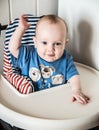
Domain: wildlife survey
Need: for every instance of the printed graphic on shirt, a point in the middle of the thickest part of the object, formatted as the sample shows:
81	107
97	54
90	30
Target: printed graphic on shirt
34	74
45	74
46	71
57	79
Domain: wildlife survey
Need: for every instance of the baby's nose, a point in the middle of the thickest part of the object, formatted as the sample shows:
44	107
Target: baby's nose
51	48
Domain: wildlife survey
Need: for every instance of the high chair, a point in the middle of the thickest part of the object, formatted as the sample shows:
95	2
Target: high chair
52	109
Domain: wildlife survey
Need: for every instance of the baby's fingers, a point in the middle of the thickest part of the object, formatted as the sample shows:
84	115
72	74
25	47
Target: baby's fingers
81	99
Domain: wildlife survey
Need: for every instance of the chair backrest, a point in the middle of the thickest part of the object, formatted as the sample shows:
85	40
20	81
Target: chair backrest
83	23
27	39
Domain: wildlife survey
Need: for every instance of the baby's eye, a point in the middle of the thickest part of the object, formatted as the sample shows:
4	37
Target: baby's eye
44	42
57	43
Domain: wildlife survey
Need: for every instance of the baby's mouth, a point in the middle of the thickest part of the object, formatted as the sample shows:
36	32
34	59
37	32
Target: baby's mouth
51	55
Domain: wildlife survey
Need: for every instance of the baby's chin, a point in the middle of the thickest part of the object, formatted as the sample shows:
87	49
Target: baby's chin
50	59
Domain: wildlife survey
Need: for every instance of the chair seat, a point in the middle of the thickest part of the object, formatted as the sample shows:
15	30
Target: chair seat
52	109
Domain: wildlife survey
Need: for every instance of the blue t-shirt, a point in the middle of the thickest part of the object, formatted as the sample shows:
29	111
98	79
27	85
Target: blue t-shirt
42	73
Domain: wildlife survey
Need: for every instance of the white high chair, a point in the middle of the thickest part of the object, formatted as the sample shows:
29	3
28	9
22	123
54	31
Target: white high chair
52	109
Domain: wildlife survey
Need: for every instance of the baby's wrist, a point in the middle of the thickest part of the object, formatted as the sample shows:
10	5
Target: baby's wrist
20	28
76	90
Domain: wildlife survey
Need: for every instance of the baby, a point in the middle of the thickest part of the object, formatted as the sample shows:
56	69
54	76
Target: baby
47	63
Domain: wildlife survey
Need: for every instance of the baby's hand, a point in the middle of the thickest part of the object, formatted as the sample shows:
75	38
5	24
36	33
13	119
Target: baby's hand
80	97
23	22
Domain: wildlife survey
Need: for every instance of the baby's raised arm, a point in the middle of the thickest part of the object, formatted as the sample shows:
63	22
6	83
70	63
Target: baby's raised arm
15	40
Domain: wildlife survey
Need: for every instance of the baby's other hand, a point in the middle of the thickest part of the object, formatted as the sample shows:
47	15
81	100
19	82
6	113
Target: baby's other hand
80	97
23	22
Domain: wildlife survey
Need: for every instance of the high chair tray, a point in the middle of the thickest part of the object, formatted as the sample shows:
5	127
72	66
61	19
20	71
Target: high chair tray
52	109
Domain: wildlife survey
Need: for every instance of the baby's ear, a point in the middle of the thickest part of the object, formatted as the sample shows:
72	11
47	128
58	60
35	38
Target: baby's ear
34	39
67	40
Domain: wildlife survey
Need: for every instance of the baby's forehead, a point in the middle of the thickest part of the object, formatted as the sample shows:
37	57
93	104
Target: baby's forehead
52	19
48	22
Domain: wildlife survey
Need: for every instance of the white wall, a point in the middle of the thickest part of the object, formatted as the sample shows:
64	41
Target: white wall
10	9
36	7
83	23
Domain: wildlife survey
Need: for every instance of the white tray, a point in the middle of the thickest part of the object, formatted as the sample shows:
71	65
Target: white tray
52	109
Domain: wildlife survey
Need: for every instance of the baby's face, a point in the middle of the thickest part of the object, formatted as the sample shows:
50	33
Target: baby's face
50	40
